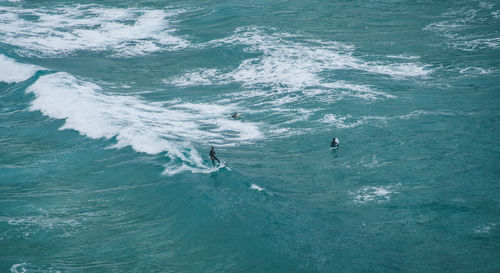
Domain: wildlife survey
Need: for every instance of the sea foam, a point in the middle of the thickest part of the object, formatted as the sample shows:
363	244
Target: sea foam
348	121
255	187
294	64
152	128
465	28
29	267
68	29
375	194
12	71
284	65
287	71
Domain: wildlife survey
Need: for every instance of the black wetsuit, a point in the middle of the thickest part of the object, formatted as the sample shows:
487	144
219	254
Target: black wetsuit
334	143
212	156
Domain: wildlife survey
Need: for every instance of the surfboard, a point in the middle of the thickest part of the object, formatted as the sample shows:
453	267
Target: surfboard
223	166
336	147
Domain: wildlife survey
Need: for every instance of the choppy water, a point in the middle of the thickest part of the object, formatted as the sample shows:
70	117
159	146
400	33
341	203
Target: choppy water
108	111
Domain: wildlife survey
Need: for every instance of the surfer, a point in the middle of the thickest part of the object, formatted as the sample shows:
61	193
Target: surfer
212	156
235	115
335	143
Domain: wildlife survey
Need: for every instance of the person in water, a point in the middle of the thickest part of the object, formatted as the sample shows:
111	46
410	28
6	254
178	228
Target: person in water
235	115
335	143
212	156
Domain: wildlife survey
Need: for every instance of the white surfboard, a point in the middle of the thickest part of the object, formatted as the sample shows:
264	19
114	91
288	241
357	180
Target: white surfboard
337	141
223	165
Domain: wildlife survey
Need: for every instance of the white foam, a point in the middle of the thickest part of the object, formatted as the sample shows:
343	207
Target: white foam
62	219
484	229
18	268
42	221
475	70
374	163
414	114
477	44
455	21
356	90
201	77
486	5
368	194
286	71
418	113
292	64
255	187
460	26
171	127
28	267
348	121
288	65
12	71
89	27
404	57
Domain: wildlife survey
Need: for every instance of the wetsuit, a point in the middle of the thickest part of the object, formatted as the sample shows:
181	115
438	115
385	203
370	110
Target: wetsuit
212	156
335	143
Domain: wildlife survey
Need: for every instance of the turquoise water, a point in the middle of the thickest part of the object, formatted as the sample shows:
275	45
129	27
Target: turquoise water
109	109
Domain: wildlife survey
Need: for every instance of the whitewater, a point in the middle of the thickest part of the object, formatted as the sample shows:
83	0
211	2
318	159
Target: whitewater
109	109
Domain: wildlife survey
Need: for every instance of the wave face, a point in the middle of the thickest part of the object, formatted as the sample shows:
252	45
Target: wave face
64	30
152	128
12	71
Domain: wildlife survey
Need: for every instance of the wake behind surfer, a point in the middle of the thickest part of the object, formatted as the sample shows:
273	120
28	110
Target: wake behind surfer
212	156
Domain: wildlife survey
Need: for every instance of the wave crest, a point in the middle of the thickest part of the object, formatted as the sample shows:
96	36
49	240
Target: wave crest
12	71
171	127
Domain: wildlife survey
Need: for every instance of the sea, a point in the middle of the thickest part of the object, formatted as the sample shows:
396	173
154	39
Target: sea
108	111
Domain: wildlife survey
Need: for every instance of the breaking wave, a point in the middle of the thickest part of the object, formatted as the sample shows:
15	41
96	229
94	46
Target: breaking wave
152	128
12	71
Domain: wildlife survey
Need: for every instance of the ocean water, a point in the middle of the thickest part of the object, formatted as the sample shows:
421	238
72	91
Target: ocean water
108	110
